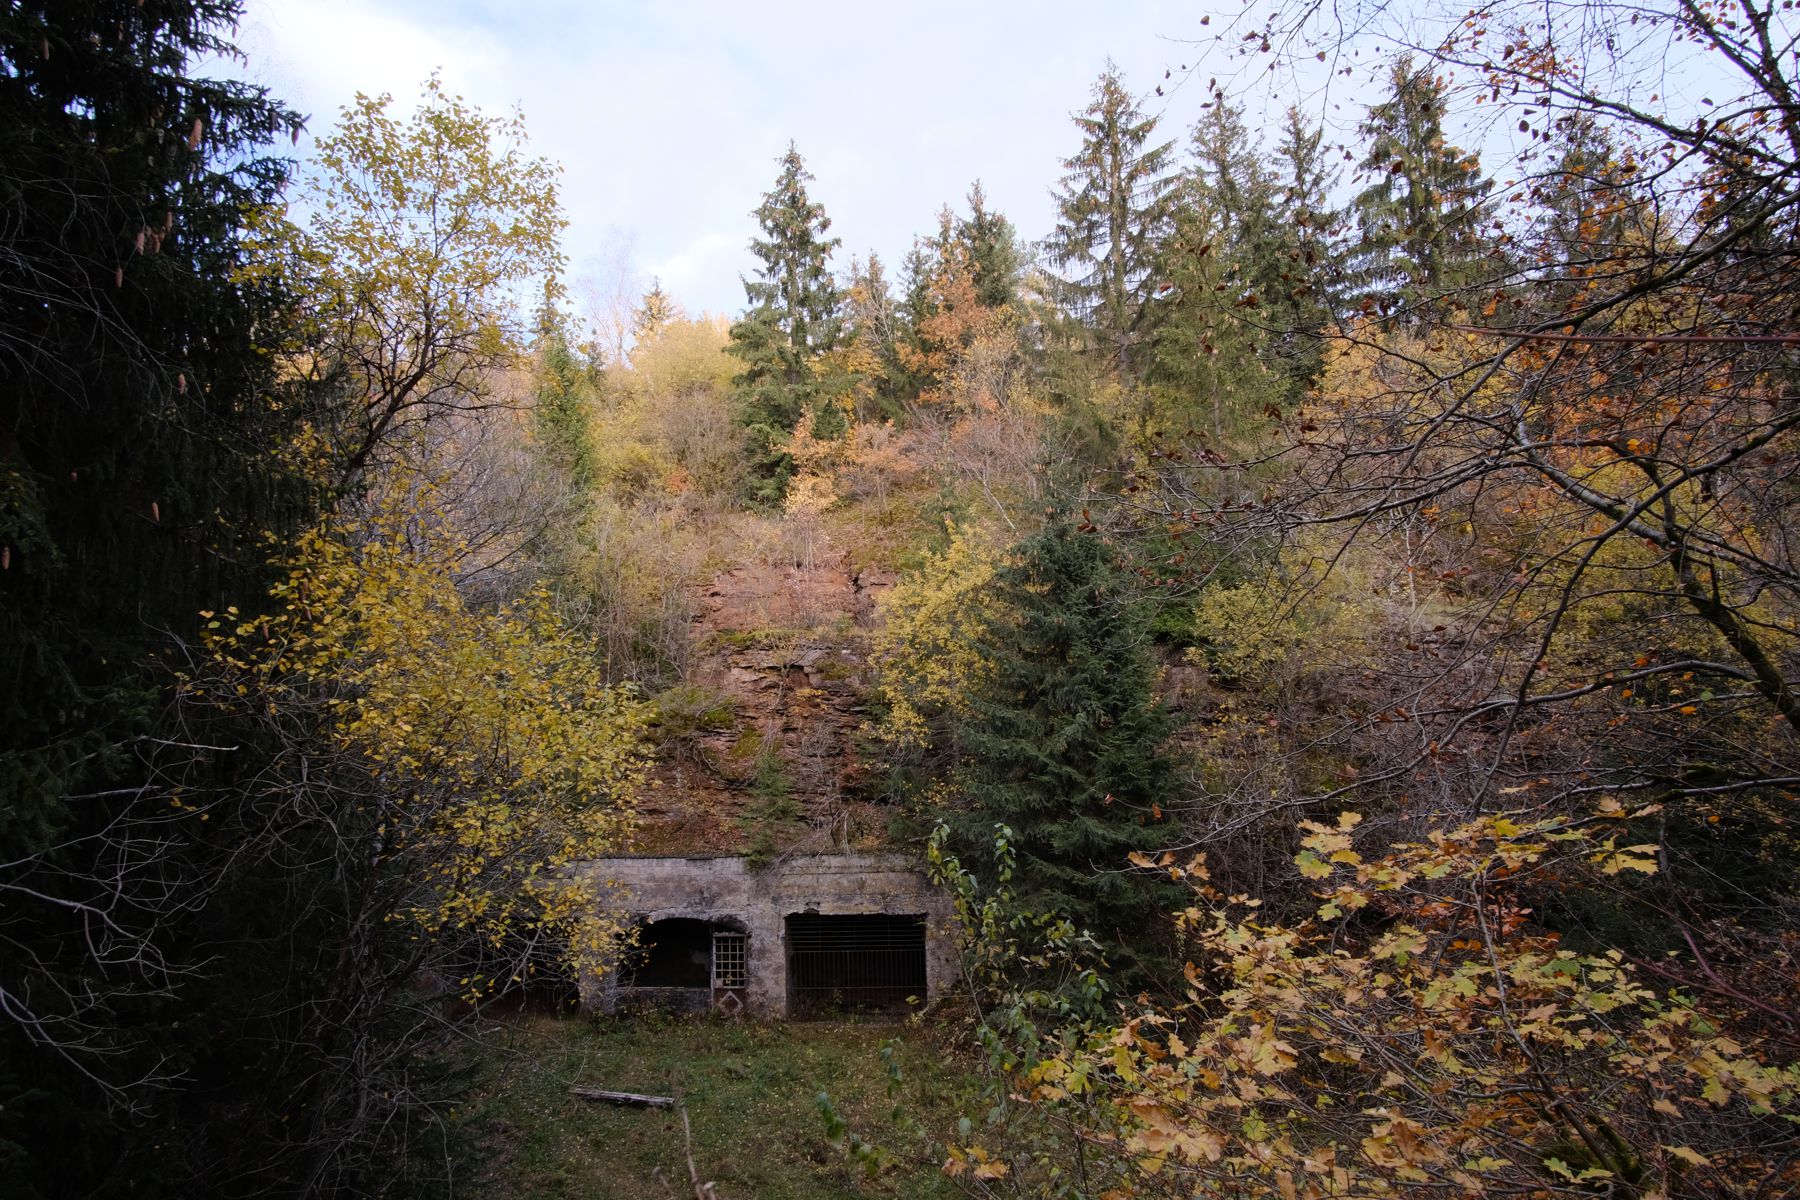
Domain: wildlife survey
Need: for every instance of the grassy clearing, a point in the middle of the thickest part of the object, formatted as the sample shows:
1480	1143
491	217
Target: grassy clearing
750	1092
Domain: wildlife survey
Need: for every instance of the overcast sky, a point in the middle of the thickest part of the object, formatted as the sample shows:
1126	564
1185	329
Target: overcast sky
668	117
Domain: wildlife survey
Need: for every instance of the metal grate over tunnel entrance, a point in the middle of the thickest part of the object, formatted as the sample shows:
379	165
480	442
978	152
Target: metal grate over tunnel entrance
863	963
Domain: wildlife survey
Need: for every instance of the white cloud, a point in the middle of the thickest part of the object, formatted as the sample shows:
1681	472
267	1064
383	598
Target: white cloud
668	118
696	269
317	54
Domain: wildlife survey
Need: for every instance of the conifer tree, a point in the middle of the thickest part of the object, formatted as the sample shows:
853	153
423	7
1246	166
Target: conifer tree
916	270
1309	282
1065	741
1114	212
1590	213
872	323
946	313
1417	218
1306	178
139	417
922	269
564	409
792	318
1231	180
653	312
1222	293
1250	267
993	247
974	261
132	433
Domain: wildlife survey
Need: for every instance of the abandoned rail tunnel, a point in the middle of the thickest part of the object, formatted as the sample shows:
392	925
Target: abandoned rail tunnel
813	936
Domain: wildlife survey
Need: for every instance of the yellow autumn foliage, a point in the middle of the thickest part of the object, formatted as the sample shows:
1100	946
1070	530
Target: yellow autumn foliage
928	638
1265	631
1447	1047
489	744
664	428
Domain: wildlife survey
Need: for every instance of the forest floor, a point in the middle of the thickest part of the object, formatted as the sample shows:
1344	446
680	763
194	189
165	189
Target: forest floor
751	1095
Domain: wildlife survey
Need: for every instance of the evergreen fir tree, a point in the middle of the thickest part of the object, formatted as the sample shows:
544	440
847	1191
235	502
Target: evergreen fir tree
1232	326
139	415
1231	181
1114	211
653	312
1066	740
1589	215
1207	374
1310	279
1417	219
945	309
1248	272
872	322
1223	293
134	401
1306	178
993	247
913	308
563	412
922	270
792	318
916	270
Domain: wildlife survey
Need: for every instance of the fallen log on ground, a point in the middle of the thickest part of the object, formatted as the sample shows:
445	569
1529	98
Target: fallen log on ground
633	1098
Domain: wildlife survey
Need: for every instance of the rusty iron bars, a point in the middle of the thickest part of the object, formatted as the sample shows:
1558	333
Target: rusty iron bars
863	963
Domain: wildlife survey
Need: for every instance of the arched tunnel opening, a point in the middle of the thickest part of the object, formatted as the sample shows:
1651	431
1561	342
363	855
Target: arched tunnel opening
675	952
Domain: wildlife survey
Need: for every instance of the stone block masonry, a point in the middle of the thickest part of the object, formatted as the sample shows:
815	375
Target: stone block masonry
813	933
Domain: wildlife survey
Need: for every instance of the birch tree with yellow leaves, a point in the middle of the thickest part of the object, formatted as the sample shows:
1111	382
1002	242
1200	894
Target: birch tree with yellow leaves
419	238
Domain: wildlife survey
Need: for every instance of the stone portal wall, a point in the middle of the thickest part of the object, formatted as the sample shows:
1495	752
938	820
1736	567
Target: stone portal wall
759	900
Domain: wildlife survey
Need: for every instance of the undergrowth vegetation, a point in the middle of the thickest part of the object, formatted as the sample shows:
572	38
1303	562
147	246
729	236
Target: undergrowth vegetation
751	1094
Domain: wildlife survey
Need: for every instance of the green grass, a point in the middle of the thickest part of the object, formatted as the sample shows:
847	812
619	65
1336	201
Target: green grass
684	710
750	1092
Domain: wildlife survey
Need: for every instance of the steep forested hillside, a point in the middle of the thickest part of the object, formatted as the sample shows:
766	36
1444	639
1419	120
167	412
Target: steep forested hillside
1324	607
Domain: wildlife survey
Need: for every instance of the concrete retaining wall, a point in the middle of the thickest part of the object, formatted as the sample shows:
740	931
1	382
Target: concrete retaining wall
758	901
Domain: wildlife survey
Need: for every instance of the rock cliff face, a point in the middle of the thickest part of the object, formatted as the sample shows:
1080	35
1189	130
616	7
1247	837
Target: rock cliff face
781	671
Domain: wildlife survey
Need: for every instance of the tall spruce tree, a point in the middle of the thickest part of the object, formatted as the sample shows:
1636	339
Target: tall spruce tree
955	281
793	317
1231	179
1417	235
993	247
563	409
872	323
1590	213
1306	177
1310	279
1267	226
1114	210
951	278
1066	739
922	270
1220	273
913	305
134	401
138	480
